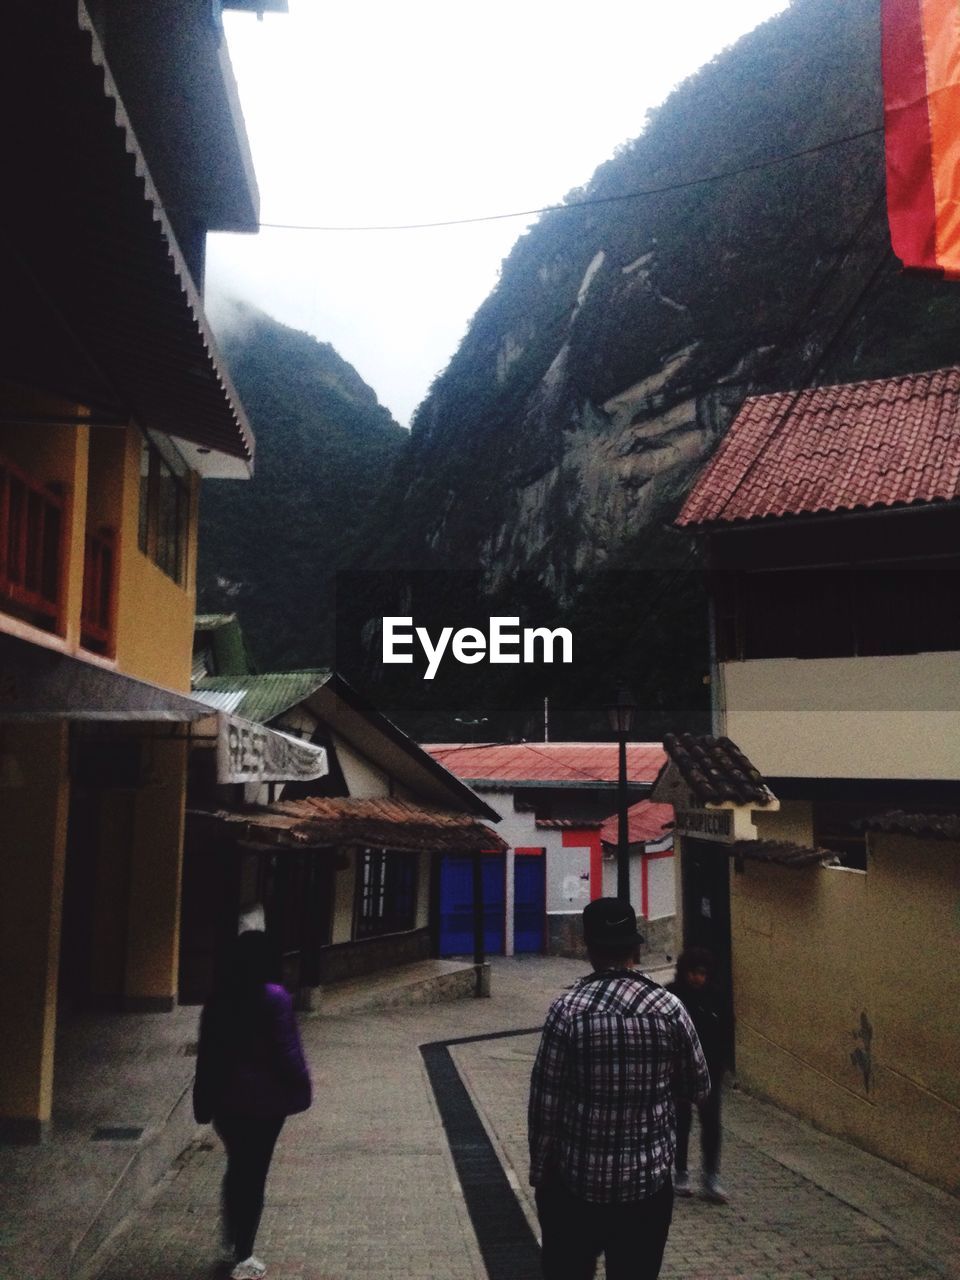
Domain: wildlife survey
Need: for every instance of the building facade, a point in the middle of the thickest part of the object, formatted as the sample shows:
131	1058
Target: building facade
113	405
345	867
554	798
831	519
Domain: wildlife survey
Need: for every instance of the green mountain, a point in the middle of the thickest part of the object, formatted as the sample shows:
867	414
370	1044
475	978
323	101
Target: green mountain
738	245
270	547
624	333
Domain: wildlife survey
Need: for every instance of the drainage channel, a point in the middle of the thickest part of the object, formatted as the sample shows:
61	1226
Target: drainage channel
507	1245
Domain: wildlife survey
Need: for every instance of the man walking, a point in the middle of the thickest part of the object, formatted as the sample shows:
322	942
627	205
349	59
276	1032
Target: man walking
616	1048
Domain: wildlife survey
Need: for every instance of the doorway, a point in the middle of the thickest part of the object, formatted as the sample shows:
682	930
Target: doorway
529	901
456	904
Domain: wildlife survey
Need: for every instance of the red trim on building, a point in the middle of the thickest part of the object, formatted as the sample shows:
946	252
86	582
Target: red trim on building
585	838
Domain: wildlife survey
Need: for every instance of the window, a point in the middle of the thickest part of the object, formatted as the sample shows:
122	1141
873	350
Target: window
862	610
387	892
164	509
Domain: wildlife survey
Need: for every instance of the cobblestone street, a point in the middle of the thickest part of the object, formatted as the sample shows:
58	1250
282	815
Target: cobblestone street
364	1185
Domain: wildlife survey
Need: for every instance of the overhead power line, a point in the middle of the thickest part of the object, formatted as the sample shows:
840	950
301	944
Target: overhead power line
593	200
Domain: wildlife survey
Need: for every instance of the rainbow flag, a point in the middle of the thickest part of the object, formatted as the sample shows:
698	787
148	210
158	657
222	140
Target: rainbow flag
920	52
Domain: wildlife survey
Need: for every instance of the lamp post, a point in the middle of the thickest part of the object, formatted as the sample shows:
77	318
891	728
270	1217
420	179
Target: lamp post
621	712
474	725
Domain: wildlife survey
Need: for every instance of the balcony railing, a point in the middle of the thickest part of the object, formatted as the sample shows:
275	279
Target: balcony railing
99	591
31	548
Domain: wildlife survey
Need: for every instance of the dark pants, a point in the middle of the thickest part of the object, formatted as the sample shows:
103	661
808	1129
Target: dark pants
249	1142
631	1236
709	1113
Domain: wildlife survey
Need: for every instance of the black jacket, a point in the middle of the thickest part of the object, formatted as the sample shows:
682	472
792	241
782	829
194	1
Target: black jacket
708	1013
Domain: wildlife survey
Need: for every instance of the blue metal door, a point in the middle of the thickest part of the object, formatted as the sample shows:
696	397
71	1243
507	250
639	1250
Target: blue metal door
529	903
456	905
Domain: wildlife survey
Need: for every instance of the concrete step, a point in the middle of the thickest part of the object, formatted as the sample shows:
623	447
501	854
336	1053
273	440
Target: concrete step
424	982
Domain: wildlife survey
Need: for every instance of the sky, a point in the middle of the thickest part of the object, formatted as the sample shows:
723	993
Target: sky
365	112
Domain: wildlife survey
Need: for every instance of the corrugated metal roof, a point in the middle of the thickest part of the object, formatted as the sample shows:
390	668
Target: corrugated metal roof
221	700
885	443
211	621
262	697
646	822
96	268
569	763
380	822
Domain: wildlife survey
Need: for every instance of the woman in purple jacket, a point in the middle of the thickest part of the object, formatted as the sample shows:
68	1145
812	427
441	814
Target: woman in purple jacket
251	1075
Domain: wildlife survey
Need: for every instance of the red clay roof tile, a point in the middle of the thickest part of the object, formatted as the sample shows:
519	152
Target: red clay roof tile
646	822
889	442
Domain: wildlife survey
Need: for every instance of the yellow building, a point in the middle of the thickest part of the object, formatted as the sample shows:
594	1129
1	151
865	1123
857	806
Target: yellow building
832	525
113	405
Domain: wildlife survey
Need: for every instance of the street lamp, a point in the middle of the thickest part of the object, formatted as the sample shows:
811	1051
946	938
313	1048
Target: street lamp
471	724
620	712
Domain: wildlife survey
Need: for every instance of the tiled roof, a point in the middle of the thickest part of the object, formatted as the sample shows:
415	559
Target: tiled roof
259	698
942	826
378	822
646	822
715	769
575	764
886	443
568	824
780	851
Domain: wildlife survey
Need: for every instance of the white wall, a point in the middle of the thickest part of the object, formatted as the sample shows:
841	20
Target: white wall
364	780
890	717
567	870
661	897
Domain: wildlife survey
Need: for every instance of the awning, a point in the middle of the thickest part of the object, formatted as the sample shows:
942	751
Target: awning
38	684
374	822
102	306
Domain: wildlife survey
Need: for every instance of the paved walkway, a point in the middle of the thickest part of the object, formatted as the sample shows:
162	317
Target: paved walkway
364	1185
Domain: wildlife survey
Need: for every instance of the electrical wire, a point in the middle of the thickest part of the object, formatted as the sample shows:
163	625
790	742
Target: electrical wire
592	200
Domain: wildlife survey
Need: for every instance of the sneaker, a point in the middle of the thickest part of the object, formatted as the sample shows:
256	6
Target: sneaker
712	1190
681	1183
249	1269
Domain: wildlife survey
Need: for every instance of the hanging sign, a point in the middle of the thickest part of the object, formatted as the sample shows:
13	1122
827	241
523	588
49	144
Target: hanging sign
248	752
705	824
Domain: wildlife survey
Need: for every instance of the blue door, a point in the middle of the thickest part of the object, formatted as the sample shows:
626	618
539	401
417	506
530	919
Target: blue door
529	903
456	905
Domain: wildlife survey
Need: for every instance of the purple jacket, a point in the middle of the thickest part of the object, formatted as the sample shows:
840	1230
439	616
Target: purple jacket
251	1065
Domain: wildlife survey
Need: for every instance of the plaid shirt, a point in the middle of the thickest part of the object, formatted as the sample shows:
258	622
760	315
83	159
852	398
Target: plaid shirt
616	1048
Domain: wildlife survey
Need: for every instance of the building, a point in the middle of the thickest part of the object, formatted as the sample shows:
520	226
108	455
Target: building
828	836
113	406
554	798
346	865
650	842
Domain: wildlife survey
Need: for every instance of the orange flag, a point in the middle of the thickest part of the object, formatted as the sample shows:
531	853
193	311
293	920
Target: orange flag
921	108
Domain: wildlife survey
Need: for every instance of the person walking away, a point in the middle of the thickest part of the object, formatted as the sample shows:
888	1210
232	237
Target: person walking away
251	1075
615	1050
695	986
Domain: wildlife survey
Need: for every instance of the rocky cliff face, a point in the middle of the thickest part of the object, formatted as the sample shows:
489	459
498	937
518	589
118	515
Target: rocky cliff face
624	334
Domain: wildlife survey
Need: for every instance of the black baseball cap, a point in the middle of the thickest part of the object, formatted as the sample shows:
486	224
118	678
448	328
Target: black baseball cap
610	922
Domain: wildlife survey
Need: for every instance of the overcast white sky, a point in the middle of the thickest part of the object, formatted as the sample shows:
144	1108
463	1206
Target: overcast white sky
386	111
